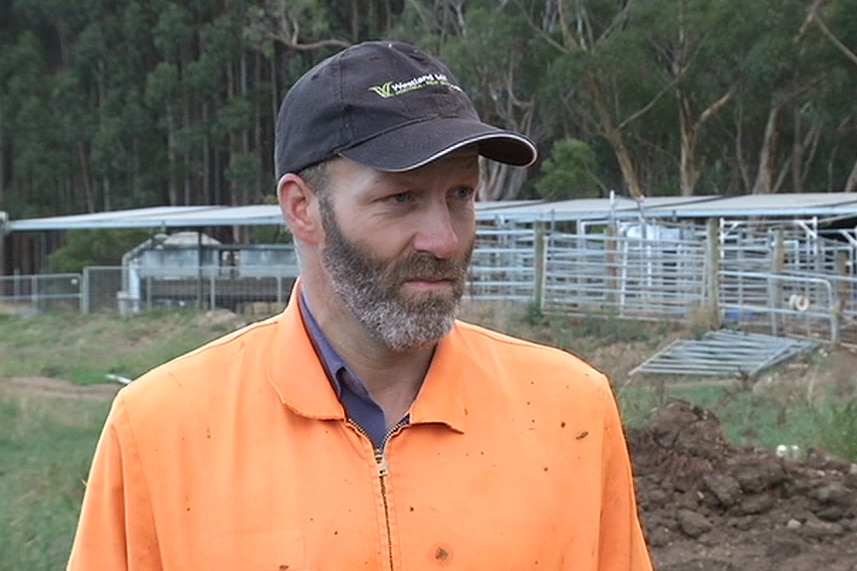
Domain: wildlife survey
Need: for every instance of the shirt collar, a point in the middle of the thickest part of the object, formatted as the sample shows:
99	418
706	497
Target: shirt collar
294	360
336	368
330	359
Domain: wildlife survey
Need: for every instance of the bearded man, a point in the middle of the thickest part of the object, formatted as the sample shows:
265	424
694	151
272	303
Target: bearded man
365	427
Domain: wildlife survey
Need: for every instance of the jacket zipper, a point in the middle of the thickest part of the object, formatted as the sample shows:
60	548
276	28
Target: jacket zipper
381	462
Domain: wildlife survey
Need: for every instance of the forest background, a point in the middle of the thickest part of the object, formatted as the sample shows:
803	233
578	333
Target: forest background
111	104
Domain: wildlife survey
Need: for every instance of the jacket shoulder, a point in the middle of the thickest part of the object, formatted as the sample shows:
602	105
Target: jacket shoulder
484	339
203	370
525	355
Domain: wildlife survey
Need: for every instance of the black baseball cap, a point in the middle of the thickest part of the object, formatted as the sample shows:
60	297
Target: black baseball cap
387	105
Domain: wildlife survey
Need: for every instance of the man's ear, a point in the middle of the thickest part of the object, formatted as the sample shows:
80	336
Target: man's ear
299	205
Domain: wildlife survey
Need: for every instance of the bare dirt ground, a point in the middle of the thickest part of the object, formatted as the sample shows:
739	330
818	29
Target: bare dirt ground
706	505
44	386
709	506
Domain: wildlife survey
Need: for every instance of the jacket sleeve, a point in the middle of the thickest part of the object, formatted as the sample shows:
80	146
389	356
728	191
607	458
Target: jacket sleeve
116	530
622	545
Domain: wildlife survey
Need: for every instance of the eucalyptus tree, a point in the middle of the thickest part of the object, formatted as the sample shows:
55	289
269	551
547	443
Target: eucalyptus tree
721	89
43	119
779	120
591	55
836	23
686	43
497	63
30	163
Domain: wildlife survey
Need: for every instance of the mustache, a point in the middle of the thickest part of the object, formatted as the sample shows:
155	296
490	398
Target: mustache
426	266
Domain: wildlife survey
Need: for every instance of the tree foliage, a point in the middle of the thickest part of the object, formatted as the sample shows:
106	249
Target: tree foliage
569	172
103	247
108	105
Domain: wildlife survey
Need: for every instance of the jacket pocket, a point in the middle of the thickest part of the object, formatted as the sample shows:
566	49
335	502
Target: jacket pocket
257	550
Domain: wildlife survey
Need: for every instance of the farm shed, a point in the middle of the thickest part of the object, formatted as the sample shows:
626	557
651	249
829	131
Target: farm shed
782	263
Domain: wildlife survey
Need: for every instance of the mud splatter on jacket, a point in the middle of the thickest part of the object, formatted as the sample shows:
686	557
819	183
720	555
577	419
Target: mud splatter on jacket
238	456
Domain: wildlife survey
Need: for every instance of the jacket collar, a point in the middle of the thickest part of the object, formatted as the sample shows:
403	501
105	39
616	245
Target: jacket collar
297	375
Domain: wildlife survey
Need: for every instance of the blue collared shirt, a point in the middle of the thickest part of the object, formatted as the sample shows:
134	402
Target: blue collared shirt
355	398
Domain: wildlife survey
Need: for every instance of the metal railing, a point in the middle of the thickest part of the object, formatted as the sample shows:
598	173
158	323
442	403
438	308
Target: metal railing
770	280
42	292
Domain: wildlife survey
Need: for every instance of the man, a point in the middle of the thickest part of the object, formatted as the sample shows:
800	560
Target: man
364	427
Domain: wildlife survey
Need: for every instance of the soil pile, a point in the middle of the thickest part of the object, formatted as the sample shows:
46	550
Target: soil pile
710	506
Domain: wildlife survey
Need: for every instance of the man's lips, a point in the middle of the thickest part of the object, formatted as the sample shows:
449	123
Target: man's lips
430	283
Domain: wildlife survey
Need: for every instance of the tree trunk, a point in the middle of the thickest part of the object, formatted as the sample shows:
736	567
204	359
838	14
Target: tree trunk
690	128
689	132
3	174
217	174
259	189
765	176
172	162
500	181
187	174
851	183
615	138
107	203
208	197
804	150
355	20
85	178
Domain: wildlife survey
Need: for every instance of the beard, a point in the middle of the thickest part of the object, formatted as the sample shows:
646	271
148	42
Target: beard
372	289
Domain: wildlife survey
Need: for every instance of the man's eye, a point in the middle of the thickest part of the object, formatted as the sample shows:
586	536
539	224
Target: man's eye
463	192
402	197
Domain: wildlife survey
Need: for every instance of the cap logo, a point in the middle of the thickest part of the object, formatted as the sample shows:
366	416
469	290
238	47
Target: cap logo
395	88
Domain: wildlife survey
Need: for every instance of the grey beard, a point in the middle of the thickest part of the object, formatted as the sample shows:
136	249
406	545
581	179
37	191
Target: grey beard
371	290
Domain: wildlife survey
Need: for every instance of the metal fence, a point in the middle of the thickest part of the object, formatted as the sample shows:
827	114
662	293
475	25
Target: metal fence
785	280
622	276
41	292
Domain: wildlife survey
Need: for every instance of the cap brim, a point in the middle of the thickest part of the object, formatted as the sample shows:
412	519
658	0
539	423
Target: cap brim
418	144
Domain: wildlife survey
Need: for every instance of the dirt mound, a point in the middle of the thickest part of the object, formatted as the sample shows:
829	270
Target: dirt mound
709	506
706	505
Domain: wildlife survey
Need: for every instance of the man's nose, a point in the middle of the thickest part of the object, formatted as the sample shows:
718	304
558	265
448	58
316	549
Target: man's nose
437	234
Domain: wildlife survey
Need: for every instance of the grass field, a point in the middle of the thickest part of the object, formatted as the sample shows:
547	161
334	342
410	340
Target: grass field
48	430
83	348
46	444
47	435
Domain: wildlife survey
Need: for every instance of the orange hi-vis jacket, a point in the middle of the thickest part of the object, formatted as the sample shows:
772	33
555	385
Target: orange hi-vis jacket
239	456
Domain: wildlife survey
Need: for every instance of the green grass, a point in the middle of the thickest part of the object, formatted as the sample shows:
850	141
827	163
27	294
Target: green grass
83	348
764	420
836	427
46	444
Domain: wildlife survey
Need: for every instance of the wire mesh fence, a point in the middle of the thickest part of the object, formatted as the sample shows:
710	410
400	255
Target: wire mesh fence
41	292
624	276
202	287
785	280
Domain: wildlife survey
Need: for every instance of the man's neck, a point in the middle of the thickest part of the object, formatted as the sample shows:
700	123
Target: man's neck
393	378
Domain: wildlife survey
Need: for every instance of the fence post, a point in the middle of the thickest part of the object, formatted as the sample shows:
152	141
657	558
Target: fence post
612	270
212	292
34	292
712	251
840	295
775	285
84	291
540	261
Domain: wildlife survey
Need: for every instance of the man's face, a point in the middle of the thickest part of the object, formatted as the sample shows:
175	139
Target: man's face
400	263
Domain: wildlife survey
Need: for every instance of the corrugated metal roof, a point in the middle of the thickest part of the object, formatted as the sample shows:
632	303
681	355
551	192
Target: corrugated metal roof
156	217
196	216
672	207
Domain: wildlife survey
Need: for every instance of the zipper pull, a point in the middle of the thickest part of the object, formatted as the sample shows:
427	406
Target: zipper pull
381	460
